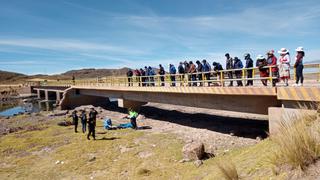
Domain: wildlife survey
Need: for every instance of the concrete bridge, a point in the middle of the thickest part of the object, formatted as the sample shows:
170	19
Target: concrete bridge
131	93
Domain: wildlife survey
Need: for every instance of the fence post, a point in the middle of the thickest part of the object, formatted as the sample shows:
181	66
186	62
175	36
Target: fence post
221	78
270	74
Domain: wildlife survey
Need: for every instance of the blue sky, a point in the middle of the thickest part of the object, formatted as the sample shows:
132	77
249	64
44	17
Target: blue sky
45	36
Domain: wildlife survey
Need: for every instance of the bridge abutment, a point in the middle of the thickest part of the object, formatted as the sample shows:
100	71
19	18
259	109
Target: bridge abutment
135	105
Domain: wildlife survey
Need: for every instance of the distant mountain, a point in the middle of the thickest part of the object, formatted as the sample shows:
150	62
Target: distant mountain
6	77
12	77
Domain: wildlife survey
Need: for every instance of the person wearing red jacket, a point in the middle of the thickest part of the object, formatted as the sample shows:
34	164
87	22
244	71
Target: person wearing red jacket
272	61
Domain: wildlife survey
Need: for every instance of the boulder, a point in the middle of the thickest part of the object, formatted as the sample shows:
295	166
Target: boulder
193	151
58	113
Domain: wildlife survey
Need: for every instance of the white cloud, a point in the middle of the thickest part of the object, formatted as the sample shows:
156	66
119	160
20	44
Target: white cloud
68	45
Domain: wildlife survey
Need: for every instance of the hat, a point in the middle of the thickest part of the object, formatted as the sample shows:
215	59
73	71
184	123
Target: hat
283	51
227	54
270	52
260	57
246	54
300	49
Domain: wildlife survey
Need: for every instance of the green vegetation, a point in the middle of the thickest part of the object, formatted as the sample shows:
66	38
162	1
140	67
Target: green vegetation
54	152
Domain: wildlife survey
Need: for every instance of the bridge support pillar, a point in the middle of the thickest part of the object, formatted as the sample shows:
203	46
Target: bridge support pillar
38	94
281	114
58	97
46	94
135	105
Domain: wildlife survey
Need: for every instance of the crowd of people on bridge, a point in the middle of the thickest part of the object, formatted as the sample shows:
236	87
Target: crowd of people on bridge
278	68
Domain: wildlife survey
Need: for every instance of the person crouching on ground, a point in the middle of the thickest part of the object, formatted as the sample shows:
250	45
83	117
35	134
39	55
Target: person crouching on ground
75	120
92	123
84	121
284	65
133	118
261	63
299	66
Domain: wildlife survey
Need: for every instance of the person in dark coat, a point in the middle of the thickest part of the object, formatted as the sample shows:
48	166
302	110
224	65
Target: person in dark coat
143	78
172	71
272	61
75	120
238	65
84	121
249	64
161	73
129	75
229	66
92	123
206	69
218	67
181	73
199	71
261	63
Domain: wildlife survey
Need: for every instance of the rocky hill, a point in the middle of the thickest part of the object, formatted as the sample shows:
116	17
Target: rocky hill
12	77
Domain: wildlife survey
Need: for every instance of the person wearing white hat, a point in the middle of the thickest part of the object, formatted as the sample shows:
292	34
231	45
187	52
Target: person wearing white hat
261	63
298	65
284	65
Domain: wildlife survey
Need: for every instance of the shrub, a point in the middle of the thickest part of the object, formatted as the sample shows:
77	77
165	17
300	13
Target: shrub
228	170
297	140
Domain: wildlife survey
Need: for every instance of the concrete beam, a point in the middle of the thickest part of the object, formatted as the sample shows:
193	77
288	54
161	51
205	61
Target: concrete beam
38	94
278	115
135	105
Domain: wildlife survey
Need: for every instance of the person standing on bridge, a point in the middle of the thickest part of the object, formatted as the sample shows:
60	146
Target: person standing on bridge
143	78
151	74
84	121
284	65
199	71
173	72
216	68
181	72
229	66
129	75
249	64
75	120
261	63
161	73
272	61
238	65
192	71
92	123
138	76
299	66
206	70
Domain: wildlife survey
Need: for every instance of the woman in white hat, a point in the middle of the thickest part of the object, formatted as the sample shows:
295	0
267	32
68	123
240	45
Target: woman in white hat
284	65
298	65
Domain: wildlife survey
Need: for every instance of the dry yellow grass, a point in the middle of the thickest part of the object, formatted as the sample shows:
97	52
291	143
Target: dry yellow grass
298	142
228	170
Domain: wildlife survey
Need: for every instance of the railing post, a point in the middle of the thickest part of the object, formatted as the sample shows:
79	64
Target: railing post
253	74
221	78
270	74
294	74
243	76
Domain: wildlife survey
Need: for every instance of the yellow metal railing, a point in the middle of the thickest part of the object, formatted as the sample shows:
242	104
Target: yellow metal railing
217	78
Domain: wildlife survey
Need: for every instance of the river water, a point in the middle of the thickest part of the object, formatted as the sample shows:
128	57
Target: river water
13	108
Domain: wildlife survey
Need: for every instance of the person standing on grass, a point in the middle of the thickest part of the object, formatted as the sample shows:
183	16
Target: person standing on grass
299	66
75	120
284	65
84	121
249	64
272	61
261	63
92	123
229	66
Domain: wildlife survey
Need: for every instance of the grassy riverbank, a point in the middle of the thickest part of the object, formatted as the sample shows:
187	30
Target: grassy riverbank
54	152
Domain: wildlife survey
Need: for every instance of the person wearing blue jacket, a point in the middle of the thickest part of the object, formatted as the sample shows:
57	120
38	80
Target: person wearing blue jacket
249	64
173	72
238	65
84	121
